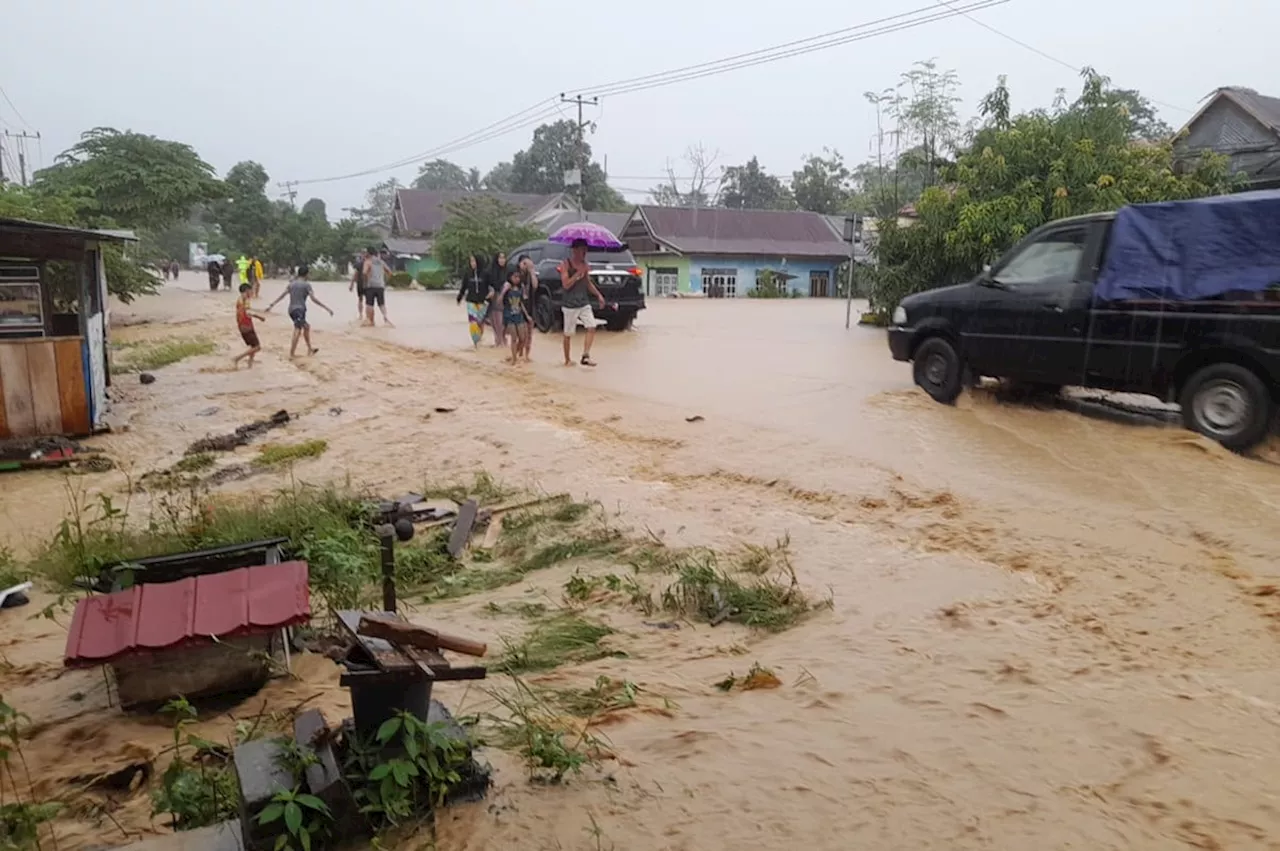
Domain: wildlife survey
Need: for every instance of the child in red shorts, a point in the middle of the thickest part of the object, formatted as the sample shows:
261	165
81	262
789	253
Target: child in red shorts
244	321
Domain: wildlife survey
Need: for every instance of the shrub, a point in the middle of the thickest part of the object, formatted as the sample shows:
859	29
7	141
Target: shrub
400	280
433	279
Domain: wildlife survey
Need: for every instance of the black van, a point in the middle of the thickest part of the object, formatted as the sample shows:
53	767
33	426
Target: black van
1160	302
615	274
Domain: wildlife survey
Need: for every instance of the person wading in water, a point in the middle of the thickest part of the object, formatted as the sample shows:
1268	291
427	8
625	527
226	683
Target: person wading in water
476	290
375	286
575	280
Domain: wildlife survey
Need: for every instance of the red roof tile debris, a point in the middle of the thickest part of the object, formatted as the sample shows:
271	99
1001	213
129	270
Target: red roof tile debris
160	616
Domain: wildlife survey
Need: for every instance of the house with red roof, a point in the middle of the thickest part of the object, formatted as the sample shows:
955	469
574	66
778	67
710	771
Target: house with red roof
720	253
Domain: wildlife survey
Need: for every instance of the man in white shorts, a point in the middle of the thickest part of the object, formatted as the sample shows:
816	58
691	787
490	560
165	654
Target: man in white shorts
575	278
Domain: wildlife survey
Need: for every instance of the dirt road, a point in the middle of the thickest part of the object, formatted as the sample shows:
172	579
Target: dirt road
1049	630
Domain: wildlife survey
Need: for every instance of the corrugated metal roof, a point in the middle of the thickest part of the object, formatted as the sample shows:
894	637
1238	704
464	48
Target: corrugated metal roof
160	616
770	233
425	210
407	245
7	223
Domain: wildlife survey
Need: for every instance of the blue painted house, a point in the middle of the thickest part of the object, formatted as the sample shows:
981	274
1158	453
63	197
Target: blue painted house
721	253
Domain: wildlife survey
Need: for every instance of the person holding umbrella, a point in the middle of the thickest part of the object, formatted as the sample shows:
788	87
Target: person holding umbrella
575	279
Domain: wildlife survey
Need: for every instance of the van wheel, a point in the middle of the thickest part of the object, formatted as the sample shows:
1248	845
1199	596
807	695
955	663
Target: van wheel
621	322
1229	403
937	370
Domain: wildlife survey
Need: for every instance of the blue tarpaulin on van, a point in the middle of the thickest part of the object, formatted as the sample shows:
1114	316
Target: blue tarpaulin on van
1188	250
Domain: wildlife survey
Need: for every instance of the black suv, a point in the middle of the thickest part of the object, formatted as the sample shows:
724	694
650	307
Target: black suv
1033	318
614	273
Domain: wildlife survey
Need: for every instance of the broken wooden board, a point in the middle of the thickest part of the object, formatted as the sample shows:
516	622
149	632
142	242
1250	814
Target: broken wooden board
400	632
462	530
403	660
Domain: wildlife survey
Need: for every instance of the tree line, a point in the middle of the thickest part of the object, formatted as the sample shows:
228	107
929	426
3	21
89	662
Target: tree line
977	186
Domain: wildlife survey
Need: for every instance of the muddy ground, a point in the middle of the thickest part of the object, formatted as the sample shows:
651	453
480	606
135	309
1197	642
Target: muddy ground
1048	629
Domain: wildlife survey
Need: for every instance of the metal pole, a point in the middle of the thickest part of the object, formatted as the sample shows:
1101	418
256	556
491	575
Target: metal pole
848	298
387	538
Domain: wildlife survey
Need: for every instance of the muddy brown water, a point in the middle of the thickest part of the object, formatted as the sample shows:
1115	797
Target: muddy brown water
1048	629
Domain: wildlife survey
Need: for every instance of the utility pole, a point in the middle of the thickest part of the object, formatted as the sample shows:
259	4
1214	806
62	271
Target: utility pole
581	155
290	188
22	138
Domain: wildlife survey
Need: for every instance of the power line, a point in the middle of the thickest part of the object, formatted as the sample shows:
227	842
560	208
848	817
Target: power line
834	38
545	108
5	94
1031	47
541	110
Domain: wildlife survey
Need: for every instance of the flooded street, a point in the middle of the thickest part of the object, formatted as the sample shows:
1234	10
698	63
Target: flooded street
1047	629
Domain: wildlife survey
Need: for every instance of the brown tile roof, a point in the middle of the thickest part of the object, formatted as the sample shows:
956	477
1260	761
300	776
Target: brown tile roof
423	210
772	233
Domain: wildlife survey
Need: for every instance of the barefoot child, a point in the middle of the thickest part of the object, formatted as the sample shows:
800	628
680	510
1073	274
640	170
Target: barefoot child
244	321
298	291
515	318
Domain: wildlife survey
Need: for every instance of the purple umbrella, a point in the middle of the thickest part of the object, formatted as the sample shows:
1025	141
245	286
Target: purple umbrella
597	237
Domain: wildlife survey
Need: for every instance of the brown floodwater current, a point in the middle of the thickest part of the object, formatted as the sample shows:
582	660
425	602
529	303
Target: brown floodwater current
1052	626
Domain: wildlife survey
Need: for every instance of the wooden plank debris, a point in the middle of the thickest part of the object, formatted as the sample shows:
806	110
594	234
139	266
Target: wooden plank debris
398	631
462	530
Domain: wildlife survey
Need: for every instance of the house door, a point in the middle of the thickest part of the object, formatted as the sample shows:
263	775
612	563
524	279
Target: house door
819	284
664	282
720	283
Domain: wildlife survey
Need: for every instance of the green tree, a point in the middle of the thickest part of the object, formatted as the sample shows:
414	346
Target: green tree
444	175
540	168
129	179
1144	122
925	107
480	224
315	207
379	201
1022	171
500	178
822	184
749	187
126	278
346	238
246	216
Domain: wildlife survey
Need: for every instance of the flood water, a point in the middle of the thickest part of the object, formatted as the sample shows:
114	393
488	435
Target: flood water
1049	627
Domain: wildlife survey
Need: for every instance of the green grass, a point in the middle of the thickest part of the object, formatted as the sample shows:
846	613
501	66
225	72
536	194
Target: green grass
326	527
484	489
197	463
535	730
148	356
276	454
561	639
702	589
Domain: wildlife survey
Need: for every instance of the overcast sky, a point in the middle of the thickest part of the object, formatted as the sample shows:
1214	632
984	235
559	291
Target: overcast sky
318	88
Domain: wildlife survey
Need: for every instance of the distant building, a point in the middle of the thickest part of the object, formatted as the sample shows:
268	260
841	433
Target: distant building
1240	124
722	253
419	213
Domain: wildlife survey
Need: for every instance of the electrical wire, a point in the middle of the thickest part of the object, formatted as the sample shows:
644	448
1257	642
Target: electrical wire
1043	54
5	95
516	121
835	38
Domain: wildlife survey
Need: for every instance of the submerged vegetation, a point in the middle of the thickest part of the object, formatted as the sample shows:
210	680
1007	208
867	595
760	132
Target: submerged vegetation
276	454
147	356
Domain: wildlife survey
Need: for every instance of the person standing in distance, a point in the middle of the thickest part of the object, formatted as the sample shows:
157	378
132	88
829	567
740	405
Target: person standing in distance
298	291
375	286
575	280
357	281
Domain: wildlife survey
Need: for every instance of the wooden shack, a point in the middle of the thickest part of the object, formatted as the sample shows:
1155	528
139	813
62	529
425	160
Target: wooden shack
53	329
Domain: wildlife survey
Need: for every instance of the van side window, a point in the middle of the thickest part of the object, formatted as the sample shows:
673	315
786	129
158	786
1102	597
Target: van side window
1053	259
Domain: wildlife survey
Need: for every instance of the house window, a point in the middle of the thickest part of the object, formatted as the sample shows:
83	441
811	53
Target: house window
720	283
665	281
819	284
